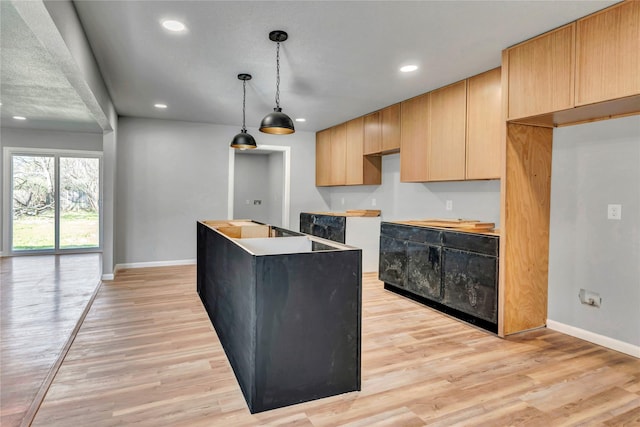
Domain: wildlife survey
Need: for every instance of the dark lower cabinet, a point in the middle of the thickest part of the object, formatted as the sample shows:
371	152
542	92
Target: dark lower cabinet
452	271
470	283
424	272
393	260
330	227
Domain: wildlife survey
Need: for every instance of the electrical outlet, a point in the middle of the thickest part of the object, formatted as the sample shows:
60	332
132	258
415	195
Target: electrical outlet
373	202
449	205
614	212
342	201
589	298
248	202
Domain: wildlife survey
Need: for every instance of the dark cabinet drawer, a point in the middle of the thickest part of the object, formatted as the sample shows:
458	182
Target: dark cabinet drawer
393	261
424	270
482	244
470	283
411	233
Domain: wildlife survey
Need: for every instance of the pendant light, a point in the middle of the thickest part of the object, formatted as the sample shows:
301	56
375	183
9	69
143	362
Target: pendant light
243	140
277	122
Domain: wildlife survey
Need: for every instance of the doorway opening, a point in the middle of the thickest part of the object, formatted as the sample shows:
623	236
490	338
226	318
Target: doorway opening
259	184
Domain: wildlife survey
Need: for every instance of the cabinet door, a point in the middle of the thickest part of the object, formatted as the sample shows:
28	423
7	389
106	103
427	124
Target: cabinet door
393	261
470	283
372	134
413	143
540	74
447	128
484	122
424	276
323	158
390	127
338	167
608	54
354	152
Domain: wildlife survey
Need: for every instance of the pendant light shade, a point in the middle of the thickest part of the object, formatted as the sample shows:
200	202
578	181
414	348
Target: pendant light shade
277	123
243	140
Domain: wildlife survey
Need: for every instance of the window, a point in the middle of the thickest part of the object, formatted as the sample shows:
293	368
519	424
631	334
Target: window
55	201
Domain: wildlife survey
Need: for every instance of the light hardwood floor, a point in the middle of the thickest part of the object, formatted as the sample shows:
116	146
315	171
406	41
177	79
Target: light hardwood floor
42	299
147	354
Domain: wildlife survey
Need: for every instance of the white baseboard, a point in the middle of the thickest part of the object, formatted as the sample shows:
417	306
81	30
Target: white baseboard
108	276
154	264
613	344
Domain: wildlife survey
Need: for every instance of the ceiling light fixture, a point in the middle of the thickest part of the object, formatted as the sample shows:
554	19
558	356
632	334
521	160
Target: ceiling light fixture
301	119
19	118
243	140
160	106
173	25
277	122
408	68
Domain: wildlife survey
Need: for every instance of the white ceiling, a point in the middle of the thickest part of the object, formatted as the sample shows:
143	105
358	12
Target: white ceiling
341	59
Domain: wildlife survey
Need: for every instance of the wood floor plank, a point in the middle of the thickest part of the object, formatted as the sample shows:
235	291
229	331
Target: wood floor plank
147	354
42	299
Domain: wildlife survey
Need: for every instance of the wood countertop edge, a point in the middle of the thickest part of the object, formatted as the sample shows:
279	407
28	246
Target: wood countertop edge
494	232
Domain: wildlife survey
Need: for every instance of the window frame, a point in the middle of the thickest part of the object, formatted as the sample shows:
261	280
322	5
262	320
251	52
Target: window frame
7	223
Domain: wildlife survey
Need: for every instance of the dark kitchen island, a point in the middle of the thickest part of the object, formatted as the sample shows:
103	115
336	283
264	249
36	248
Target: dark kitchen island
286	308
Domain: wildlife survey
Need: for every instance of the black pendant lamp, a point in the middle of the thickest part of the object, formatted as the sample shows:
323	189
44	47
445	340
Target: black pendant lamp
277	122
243	140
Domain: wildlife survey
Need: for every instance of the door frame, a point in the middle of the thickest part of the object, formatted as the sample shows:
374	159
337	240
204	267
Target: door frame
7	192
286	178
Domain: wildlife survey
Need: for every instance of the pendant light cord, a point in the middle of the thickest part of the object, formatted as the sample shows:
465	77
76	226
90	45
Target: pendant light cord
278	76
244	97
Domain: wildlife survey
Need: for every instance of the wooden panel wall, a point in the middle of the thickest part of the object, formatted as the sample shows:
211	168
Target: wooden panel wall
525	227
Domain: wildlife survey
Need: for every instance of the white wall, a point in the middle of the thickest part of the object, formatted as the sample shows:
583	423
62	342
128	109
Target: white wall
594	165
399	201
31	138
251	183
171	174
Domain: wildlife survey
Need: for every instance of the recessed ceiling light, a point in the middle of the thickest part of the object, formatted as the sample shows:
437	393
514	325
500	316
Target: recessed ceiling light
301	119
160	106
19	118
173	25
408	68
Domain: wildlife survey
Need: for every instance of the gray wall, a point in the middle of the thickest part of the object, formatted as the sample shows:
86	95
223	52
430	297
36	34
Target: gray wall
594	165
398	201
276	176
172	173
30	138
251	182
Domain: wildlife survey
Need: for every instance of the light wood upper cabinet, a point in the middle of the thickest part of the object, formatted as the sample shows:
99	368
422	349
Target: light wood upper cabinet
540	74
390	128
372	133
323	158
484	122
608	54
355	147
447	129
413	143
338	165
340	159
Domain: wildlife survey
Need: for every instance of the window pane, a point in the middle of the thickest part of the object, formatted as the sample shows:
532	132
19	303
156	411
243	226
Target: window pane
79	198
33	203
